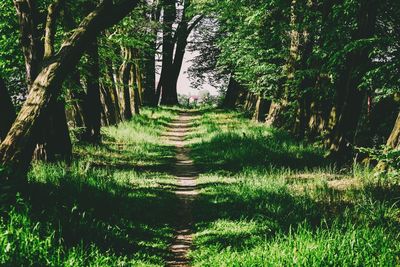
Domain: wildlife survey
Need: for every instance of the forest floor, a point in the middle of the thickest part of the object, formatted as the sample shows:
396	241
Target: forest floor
208	188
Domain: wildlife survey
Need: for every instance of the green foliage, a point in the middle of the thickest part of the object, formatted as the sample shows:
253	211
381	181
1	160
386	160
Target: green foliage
11	57
252	48
386	155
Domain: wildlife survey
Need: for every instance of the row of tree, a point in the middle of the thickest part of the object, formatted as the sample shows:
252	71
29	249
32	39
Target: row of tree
103	72
323	69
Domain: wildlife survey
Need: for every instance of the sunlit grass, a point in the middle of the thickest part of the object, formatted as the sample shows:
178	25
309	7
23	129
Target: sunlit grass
267	200
95	212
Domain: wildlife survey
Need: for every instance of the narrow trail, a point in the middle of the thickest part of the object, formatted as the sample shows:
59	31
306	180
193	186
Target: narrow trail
186	175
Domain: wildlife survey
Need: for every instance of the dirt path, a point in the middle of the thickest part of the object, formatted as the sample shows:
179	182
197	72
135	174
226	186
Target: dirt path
186	175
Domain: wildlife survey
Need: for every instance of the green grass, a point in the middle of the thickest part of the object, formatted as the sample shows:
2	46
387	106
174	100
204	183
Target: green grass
113	206
267	200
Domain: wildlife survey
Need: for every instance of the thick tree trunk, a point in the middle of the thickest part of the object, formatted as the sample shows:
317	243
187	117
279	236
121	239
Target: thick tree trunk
181	43
350	97
393	142
54	142
274	114
232	94
169	94
17	148
394	138
262	107
7	110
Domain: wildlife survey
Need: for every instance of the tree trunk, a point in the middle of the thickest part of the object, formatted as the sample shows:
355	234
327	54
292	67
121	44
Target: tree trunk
169	96
169	93
232	94
150	93
274	117
394	138
114	91
149	90
51	26
54	142
17	148
251	101
108	105
262	107
393	142
138	79
181	43
30	38
350	97
134	90
92	103
77	98
7	110
124	74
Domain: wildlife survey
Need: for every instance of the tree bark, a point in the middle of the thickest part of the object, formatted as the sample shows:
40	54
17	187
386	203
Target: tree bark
30	38
17	148
393	142
77	98
124	80
92	103
149	92
54	139
138	79
168	95
394	138
53	12
232	94
7	110
134	90
54	142
274	114
108	105
182	35
111	90
350	97
261	110
250	104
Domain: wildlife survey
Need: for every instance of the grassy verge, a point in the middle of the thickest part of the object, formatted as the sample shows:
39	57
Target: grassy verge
111	207
267	200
